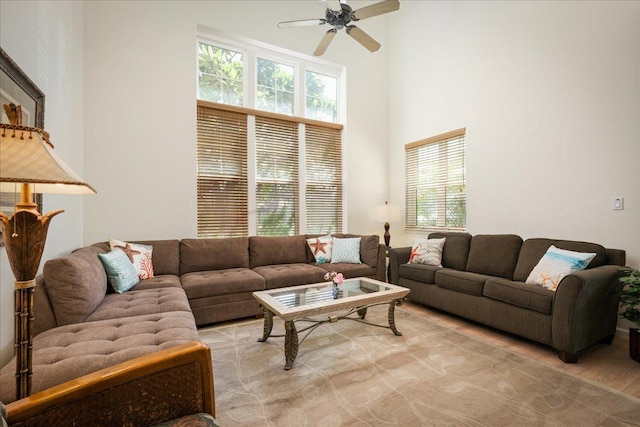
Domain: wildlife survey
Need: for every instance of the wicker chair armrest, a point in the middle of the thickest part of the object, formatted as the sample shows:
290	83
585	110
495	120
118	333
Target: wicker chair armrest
148	390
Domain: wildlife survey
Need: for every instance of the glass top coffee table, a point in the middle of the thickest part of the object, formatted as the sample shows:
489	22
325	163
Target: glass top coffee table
297	303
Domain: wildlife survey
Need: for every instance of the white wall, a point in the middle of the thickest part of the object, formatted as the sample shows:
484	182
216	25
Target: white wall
45	40
550	95
140	116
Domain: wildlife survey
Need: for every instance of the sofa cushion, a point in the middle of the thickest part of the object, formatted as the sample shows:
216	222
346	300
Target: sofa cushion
213	254
283	275
141	302
456	249
368	247
71	351
164	281
520	294
494	255
419	272
76	284
533	249
201	284
461	281
350	271
277	250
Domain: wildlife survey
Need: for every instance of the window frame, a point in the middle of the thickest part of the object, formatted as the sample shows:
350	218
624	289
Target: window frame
253	49
412	184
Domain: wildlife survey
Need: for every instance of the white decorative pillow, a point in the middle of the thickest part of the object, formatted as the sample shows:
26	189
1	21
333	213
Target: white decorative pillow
346	250
321	247
555	265
139	255
427	251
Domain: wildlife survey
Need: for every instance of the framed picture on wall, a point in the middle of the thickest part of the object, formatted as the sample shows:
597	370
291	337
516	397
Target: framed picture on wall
18	89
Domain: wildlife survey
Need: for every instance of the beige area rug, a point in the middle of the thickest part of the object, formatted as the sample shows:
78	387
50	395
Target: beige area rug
350	374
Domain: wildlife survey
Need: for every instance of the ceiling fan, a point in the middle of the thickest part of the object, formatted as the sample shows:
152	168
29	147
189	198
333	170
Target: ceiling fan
339	15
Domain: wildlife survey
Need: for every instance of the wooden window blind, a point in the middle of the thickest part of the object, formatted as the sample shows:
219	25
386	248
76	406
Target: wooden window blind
277	195
222	173
435	182
240	149
323	197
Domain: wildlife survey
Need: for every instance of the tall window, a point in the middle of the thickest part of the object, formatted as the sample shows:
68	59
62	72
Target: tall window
435	182
269	142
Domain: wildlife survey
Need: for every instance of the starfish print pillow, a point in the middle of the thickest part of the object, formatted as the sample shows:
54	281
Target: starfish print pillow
139	255
321	248
427	252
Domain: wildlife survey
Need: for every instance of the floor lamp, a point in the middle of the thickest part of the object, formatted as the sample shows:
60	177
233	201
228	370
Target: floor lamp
28	163
386	213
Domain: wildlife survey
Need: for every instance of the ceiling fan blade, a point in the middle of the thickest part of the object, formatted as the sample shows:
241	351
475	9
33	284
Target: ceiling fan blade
376	9
301	23
324	43
363	38
334	5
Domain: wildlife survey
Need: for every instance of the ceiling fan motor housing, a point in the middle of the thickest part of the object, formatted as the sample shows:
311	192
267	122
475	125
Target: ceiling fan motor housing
340	19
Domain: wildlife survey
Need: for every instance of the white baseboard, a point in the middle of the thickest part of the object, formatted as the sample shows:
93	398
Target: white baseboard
622	332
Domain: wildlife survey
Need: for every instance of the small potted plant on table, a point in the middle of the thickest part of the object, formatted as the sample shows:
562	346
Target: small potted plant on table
630	305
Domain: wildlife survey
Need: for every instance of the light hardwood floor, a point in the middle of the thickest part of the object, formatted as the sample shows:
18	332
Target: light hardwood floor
607	364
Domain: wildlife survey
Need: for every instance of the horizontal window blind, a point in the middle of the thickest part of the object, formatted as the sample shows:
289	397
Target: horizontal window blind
222	173
277	195
323	179
226	136
435	182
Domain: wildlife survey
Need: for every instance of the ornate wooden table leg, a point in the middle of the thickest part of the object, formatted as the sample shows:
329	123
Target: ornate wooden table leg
362	312
268	323
392	321
290	344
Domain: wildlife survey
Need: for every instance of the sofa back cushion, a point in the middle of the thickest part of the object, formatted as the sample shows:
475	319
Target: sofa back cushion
494	255
456	249
276	250
76	284
165	256
213	254
368	247
534	249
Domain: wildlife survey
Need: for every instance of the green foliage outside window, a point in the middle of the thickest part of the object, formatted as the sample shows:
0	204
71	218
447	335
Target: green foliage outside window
221	73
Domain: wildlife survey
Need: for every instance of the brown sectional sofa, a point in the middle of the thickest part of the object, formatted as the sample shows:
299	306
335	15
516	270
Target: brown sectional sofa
482	278
81	326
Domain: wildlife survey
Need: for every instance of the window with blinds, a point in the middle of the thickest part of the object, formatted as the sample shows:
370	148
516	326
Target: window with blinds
323	190
222	173
267	174
435	182
276	177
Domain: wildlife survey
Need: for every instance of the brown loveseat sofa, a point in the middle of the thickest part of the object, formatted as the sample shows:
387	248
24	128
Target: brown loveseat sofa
482	278
81	326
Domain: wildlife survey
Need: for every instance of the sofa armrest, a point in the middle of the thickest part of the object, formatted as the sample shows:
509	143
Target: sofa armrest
585	308
397	256
148	390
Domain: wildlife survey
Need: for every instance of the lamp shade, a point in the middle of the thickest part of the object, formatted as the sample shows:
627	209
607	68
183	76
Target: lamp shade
386	213
27	157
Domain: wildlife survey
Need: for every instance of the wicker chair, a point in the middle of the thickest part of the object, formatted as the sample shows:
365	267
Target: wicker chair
160	388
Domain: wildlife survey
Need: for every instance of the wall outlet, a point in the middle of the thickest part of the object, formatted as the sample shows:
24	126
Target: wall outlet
618	203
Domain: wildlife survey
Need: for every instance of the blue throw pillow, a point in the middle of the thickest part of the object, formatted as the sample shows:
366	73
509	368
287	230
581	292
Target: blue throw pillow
555	265
346	250
121	274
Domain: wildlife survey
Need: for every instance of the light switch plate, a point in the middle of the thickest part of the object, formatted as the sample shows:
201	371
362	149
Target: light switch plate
618	203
